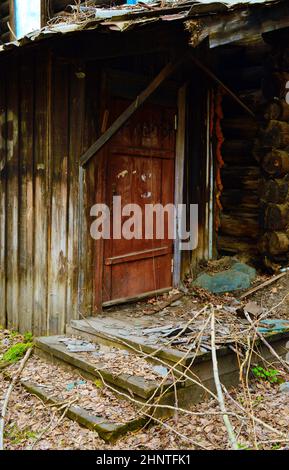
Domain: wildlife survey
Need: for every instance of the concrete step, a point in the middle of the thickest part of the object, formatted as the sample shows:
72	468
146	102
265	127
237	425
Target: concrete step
100	331
109	431
53	348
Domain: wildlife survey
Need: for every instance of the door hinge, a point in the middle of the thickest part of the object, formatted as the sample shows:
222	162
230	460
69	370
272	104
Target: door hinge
172	265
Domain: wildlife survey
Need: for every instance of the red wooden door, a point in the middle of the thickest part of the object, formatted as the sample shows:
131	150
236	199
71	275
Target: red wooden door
140	169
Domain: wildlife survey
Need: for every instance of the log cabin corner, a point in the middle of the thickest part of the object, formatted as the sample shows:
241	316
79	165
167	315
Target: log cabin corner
183	103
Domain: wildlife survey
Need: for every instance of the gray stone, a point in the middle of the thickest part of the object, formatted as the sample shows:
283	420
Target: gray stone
284	388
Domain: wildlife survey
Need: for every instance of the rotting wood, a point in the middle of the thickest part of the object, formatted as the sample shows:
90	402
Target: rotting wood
12	204
276	163
242	245
245	200
57	271
274	243
76	128
42	171
136	298
3	195
26	194
276	134
275	190
166	72
276	216
262	286
240	226
91	181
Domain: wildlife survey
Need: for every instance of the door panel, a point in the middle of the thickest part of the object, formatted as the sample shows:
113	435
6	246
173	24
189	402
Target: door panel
140	169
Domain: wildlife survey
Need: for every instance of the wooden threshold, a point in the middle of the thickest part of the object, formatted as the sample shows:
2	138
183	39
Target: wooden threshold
130	300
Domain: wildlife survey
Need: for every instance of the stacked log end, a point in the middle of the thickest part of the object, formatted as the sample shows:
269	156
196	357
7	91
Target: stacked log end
242	68
271	147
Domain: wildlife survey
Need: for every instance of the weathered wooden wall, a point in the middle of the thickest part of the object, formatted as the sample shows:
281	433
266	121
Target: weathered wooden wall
51	110
43	114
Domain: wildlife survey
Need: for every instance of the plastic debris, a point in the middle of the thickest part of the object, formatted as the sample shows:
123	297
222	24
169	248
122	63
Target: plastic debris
78	345
161	370
71	386
273	326
239	277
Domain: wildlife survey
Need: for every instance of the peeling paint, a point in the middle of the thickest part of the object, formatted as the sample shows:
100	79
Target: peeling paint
122	174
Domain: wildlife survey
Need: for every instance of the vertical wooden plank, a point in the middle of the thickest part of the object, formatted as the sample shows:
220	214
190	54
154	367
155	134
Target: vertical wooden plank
87	195
3	155
98	171
179	178
76	125
57	268
42	195
13	194
26	209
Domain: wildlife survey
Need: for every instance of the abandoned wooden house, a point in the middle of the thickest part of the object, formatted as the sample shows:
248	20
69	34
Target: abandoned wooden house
165	102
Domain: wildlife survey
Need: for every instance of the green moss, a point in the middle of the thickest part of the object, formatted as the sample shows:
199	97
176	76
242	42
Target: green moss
28	337
18	436
15	353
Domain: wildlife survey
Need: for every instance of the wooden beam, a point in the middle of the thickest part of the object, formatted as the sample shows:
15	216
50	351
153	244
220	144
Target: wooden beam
211	74
243	25
166	72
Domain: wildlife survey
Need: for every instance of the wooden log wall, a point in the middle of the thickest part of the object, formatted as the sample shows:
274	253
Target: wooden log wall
6	17
242	68
45	114
272	150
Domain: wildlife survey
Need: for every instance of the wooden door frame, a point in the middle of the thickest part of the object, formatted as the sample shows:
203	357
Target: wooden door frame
178	199
179	178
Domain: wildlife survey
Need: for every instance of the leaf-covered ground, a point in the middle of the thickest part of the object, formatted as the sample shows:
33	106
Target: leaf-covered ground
31	424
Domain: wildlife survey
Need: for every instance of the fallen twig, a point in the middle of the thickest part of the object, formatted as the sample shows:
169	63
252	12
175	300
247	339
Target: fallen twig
257	420
168	303
50	429
272	350
261	286
8	394
227	422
